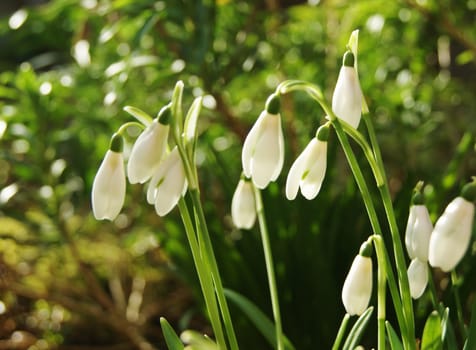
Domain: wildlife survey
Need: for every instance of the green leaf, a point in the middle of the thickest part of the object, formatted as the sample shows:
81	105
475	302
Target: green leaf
358	330
177	114
393	339
171	338
259	319
431	339
198	341
471	340
139	114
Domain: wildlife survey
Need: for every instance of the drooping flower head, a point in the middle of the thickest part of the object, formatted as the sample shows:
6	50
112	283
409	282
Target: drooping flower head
308	170
418	230
149	148
347	97
168	184
357	288
263	150
452	233
243	206
109	186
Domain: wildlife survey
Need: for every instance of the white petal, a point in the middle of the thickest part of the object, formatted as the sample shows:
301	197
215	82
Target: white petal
409	232
159	174
109	187
250	143
417	277
451	235
243	207
316	165
347	97
267	159
147	152
357	288
170	186
421	233
295	174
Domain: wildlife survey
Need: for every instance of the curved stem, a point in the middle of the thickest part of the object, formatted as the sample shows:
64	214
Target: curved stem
127	125
405	320
268	256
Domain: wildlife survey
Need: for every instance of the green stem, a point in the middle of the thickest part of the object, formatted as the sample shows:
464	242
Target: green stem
341	332
269	267
381	288
208	253
405	321
394	231
459	309
203	275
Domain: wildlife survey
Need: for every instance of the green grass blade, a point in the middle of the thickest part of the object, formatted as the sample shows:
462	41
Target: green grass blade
259	319
431	339
358	330
471	341
393	339
171	338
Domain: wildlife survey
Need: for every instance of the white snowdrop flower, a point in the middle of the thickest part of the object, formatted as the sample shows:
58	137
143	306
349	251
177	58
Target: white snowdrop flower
418	232
357	288
243	206
347	97
309	169
168	184
109	186
451	235
149	149
263	151
417	277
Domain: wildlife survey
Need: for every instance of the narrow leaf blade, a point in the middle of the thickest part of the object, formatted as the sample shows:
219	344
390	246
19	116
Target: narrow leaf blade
259	319
431	339
171	338
139	114
393	339
357	331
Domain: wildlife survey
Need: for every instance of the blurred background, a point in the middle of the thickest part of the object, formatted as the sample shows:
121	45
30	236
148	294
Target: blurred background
68	67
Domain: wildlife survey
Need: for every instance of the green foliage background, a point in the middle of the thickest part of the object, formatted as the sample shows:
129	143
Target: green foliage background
69	281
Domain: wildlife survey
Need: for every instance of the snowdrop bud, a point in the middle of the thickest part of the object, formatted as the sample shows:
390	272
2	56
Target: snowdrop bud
417	277
243	207
347	97
149	149
418	232
309	169
451	235
357	288
109	186
168	184
263	151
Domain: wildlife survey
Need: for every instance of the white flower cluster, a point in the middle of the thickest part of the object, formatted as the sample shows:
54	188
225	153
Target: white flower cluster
149	160
442	246
263	149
